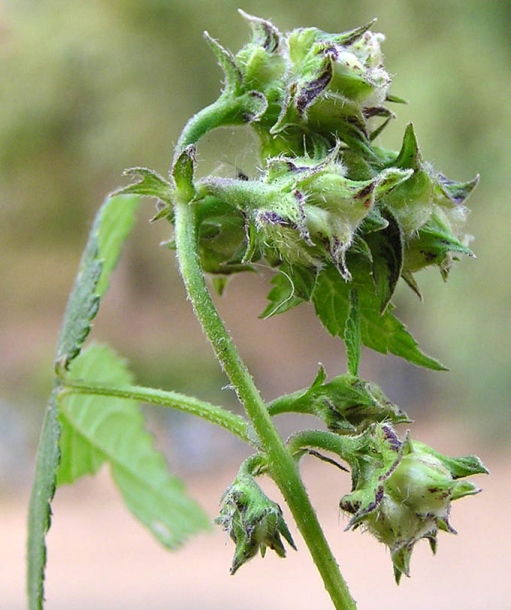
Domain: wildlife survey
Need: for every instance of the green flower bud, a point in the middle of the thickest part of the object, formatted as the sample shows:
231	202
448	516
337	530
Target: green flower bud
347	404
303	211
337	82
430	211
263	65
252	521
416	199
434	244
402	491
347	204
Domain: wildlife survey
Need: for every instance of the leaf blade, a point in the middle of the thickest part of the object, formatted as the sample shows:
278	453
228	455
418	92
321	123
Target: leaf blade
352	334
291	286
381	332
83	304
98	429
110	229
39	513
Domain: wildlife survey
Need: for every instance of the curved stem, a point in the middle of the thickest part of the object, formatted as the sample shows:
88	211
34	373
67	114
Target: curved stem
282	466
344	446
214	414
207	119
231	108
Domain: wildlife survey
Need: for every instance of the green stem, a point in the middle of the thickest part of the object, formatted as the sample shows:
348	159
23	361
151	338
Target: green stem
226	110
282	466
214	414
344	446
207	119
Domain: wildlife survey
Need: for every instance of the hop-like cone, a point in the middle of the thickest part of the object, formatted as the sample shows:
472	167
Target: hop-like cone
253	521
402	492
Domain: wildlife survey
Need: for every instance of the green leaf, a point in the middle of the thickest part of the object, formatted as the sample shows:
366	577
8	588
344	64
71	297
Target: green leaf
148	184
114	226
110	229
221	230
352	337
99	429
386	248
381	332
39	513
386	334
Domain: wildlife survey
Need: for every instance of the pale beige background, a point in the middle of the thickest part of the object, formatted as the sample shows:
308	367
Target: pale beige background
100	558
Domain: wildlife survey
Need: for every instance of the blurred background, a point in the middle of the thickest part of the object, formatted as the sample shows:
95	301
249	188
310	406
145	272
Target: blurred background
91	88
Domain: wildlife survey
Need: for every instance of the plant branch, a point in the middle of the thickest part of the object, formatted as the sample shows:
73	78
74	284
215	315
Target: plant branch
282	466
343	446
235	424
226	110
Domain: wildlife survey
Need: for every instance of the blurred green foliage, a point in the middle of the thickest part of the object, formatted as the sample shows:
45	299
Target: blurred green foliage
90	88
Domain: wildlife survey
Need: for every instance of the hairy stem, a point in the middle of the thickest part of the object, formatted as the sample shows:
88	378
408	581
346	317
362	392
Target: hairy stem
224	111
214	414
343	446
282	466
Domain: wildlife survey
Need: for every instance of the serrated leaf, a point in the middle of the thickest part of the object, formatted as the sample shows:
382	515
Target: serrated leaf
383	333
114	225
82	307
99	429
111	227
281	297
148	184
39	513
386	334
331	300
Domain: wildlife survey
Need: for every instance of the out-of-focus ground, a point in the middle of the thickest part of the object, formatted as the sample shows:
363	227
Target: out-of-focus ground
101	558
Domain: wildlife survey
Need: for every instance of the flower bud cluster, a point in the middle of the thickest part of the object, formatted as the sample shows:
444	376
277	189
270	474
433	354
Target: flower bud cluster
303	211
402	491
349	405
252	520
317	101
